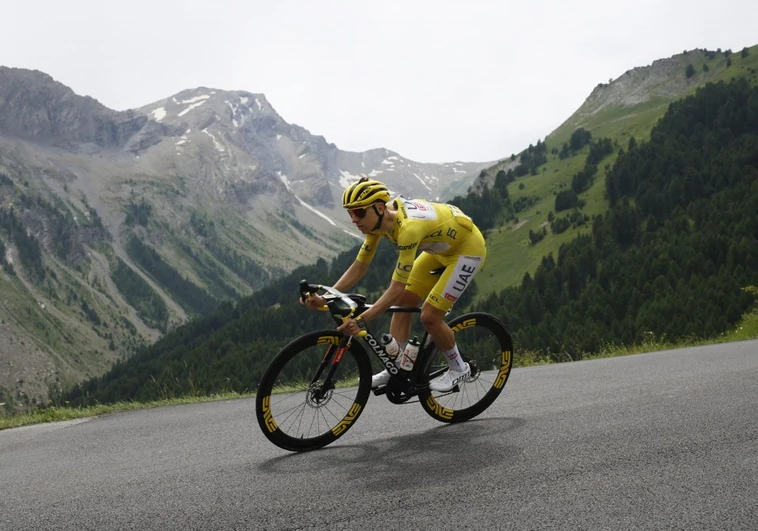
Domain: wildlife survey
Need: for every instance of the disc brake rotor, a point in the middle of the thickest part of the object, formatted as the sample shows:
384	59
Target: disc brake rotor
317	396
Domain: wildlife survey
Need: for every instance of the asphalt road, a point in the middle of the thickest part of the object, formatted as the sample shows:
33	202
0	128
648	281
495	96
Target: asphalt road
653	441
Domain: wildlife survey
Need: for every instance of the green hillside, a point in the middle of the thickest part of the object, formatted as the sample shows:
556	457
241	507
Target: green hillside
609	112
672	256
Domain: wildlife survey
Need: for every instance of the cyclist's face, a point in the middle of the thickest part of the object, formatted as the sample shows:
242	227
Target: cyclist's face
364	218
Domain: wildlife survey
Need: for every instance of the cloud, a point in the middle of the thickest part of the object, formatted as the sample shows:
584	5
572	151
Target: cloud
433	80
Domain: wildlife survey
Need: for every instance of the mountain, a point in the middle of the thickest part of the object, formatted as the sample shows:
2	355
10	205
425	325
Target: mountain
619	110
674	258
147	244
117	226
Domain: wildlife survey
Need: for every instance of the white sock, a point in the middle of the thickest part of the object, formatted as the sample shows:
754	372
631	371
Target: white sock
454	359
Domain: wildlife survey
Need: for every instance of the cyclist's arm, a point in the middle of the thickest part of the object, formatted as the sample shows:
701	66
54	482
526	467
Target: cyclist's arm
392	295
389	297
358	268
351	276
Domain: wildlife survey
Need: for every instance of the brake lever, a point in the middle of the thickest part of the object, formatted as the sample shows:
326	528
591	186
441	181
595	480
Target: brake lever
307	289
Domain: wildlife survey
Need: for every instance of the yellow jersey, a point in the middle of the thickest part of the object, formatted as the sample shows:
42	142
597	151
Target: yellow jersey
434	228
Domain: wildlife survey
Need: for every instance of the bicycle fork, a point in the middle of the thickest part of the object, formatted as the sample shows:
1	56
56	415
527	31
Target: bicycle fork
329	363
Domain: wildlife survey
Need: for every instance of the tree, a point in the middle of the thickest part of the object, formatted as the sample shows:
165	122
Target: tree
565	200
690	70
580	138
501	184
536	237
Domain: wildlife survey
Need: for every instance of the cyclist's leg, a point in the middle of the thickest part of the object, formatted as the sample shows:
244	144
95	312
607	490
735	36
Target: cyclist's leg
420	282
459	272
400	325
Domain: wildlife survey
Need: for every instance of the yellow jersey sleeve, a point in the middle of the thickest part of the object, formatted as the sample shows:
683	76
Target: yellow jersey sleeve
368	249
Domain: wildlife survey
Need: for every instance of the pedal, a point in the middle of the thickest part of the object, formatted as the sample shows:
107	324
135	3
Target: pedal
382	390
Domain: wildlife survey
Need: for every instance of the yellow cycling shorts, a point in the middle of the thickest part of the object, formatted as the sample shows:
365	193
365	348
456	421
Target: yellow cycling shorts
441	291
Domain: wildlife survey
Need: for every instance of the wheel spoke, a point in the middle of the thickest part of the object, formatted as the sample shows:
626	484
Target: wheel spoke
482	340
301	410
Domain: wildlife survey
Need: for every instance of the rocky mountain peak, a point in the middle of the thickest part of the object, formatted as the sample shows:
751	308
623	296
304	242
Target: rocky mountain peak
662	79
35	107
194	106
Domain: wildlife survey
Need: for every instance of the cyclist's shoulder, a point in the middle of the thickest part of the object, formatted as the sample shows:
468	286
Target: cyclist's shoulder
417	209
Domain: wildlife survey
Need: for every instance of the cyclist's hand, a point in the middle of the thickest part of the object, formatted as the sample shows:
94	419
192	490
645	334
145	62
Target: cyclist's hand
351	327
314	302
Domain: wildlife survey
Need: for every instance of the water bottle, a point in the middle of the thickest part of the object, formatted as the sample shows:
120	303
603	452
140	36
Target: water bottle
409	356
390	345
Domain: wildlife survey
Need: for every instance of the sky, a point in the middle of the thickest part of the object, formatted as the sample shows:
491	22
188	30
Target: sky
434	80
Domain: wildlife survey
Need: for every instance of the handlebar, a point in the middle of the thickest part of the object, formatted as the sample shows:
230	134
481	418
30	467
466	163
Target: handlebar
341	306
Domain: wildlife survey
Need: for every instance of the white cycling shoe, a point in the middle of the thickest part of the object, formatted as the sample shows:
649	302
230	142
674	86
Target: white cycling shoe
449	380
380	379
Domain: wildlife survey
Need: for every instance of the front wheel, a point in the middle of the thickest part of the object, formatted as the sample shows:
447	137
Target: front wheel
486	346
298	405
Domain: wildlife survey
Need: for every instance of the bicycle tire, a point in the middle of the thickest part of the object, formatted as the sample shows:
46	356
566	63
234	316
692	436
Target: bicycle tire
291	414
485	343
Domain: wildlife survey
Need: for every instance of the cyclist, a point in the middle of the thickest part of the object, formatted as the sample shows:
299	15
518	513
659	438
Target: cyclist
446	237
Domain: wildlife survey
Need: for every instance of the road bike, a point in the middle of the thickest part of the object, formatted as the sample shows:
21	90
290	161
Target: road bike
318	385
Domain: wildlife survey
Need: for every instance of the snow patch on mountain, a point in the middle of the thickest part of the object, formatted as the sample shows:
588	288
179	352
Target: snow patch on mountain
218	145
321	214
347	178
196	99
159	114
422	181
291	190
354	235
192	106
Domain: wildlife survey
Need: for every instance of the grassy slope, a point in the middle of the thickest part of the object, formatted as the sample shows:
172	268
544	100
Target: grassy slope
510	254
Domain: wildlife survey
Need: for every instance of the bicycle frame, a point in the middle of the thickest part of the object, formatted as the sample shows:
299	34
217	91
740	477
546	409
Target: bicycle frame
335	353
342	306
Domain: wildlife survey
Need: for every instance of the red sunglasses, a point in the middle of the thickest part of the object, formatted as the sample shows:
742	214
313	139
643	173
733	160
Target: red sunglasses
359	213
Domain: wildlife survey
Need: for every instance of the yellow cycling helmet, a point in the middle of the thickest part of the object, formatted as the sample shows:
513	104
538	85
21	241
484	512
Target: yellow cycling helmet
365	192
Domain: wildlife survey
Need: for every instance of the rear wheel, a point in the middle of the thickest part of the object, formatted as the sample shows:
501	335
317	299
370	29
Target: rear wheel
296	409
486	345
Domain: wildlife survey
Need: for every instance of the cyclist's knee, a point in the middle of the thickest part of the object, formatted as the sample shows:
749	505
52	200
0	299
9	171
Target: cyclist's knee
431	317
